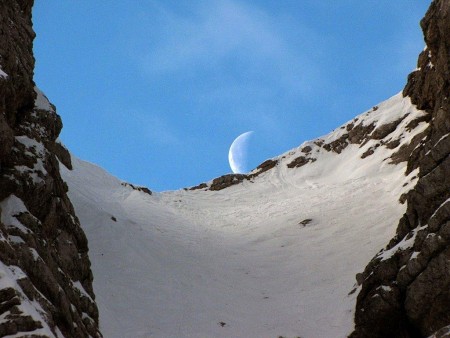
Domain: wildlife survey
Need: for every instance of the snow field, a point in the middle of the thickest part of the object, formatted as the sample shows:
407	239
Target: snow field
237	262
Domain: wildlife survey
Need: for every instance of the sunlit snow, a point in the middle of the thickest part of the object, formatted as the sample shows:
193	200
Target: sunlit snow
238	262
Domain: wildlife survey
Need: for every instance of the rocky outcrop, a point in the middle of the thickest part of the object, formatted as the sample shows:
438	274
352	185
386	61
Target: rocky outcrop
229	180
300	162
137	188
45	277
405	289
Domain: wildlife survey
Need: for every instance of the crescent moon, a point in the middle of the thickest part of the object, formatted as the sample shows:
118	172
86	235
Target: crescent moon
237	153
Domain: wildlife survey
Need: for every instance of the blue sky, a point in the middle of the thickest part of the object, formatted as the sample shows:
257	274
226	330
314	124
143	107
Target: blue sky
155	92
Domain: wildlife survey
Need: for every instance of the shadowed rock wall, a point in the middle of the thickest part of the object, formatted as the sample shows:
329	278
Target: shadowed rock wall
45	277
405	289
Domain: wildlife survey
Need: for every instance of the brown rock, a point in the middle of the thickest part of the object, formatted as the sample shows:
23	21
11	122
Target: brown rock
422	305
299	162
306	149
54	250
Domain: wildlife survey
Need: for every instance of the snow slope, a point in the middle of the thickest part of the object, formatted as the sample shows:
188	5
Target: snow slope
238	262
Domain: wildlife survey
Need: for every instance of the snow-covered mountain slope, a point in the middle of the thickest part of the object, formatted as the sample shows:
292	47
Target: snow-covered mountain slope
275	255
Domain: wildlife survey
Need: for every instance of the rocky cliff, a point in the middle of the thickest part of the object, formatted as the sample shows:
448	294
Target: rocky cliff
405	289
45	277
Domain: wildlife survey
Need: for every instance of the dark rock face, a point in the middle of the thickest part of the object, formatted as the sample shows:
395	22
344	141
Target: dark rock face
16	60
45	277
405	289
